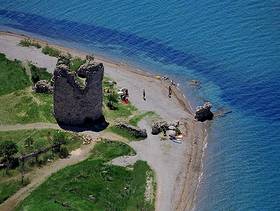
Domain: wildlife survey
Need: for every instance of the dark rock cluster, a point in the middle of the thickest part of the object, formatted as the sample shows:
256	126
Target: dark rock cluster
135	131
204	113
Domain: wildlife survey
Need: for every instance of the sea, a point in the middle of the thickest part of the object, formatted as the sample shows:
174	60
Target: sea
231	47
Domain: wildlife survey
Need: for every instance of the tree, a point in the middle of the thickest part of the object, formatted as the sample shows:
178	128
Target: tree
7	150
58	140
113	99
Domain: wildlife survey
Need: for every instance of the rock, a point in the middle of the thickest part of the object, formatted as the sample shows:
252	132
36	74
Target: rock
136	131
204	113
73	103
43	86
194	83
158	127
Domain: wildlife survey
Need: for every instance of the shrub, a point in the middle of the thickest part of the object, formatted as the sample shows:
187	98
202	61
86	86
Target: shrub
63	153
51	51
38	74
28	42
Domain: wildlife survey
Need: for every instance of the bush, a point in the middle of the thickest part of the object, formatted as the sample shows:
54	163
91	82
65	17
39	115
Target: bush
51	51
113	100
38	74
63	153
28	43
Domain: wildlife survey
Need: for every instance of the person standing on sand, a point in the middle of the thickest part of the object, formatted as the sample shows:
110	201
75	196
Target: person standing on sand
169	91
144	95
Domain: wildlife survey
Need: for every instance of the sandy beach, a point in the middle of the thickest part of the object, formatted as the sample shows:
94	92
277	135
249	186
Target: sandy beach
178	167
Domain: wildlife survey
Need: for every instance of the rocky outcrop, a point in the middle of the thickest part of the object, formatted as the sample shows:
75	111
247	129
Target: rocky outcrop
204	113
135	131
43	86
76	104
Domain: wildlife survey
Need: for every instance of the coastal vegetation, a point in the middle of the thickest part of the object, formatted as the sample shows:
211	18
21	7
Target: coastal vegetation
95	184
51	51
28	42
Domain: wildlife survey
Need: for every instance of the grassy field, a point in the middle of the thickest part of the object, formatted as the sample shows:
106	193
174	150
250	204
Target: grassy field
94	184
25	106
12	76
9	188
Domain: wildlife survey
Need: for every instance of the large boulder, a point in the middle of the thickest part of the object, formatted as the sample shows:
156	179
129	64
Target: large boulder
204	113
43	86
135	131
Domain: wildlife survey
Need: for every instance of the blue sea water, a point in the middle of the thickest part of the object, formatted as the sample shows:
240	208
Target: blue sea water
232	47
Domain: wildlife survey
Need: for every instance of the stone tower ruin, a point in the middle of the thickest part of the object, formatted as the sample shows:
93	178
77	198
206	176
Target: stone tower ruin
78	95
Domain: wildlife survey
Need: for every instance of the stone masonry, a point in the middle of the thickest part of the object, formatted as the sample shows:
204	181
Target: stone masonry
78	97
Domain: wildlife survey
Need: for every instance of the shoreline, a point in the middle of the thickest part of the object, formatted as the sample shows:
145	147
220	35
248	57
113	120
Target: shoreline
190	175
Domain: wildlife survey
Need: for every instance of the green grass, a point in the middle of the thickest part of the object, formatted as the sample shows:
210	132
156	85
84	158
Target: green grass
94	185
12	76
28	43
38	73
51	51
25	106
123	133
75	63
9	188
137	118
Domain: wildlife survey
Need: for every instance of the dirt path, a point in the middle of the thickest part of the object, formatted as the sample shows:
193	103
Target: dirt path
38	125
41	174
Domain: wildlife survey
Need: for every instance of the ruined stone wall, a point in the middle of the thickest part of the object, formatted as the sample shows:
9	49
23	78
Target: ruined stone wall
74	103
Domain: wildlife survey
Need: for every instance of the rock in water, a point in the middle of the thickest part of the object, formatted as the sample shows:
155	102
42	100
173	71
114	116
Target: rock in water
43	86
204	113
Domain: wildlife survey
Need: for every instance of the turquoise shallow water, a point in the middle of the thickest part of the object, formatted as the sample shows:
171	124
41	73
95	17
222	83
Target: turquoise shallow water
233	48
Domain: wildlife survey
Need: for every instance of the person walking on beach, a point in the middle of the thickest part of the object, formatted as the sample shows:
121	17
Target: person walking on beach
169	91
144	95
